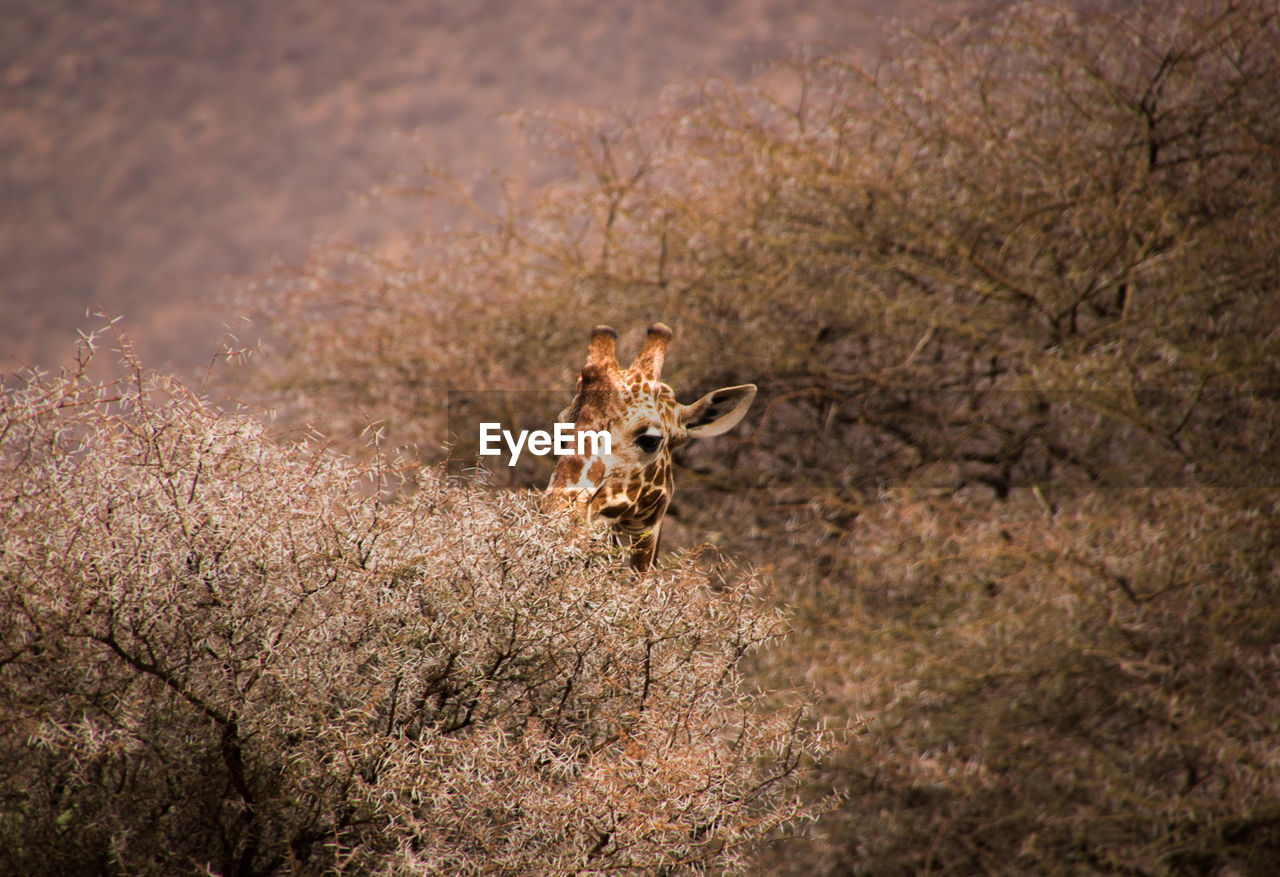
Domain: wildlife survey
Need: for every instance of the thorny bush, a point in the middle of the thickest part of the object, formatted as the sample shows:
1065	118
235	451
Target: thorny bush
221	654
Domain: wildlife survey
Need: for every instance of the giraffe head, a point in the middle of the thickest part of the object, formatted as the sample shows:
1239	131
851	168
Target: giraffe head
631	486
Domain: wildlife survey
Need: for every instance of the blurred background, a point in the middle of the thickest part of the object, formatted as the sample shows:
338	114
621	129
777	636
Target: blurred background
154	152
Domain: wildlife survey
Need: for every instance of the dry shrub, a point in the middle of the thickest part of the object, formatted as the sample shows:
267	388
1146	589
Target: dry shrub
225	655
1040	248
1088	686
1012	301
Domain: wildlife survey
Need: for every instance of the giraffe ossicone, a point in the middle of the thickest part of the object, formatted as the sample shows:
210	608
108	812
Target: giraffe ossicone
631	487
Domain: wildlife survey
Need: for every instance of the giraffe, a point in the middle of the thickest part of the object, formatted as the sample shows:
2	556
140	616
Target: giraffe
631	486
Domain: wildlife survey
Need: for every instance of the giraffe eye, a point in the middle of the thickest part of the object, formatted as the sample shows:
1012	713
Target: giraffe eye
649	441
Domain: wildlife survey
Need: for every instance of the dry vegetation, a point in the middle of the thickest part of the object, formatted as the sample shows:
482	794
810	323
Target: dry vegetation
1012	301
224	655
1035	251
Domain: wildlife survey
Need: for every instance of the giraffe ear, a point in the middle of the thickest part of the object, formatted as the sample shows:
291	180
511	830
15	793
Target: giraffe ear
717	412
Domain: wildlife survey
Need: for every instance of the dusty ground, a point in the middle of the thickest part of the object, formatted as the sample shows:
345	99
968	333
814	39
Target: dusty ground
151	152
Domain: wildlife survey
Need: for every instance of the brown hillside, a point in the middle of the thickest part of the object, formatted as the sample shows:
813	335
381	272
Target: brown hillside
150	149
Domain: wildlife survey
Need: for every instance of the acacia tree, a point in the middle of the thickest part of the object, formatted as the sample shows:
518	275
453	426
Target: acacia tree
228	655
